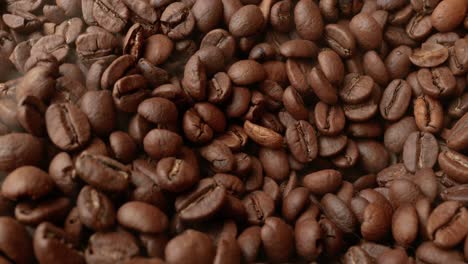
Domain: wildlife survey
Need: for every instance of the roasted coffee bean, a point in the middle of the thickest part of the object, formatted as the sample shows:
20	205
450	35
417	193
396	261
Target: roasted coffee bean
67	126
18	245
27	182
111	247
322	87
428	114
395	100
356	88
338	212
142	217
262	135
102	172
34	213
20	149
219	156
308	20
397	133
447	15
323	181
190	244
277	239
175	175
330	146
458	139
99	108
49	238
274	162
437	82
95	209
445	224
420	151
329	119
302	141
156	144
177	21
259	207
202	203
454	164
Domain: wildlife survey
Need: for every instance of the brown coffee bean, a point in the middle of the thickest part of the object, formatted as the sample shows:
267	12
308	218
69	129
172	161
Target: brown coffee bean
420	151
428	114
246	21
454	164
259	207
67	126
366	30
111	247
263	136
405	225
395	100
175	175
99	108
448	14
102	172
437	82
219	156
331	65
190	244
302	141
277	239
429	55
34	213
155	143
321	86
49	238
299	48
397	133
16	244
27	182
202	203
458	139
308	20
373	155
246	72
142	217
338	212
445	224
95	209
374	66
323	181
428	251
356	88
274	162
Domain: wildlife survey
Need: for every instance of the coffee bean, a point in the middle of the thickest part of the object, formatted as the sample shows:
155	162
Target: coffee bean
102	172
19	247
246	21
397	133
202	203
395	100
49	238
99	108
149	218
277	239
420	151
356	88
454	164
95	209
27	182
177	21
302	141
437	82
259	207
307	28
175	175
447	15
190	244
338	212
263	136
155	143
428	114
111	247
219	156
444	225
322	87
274	162
322	182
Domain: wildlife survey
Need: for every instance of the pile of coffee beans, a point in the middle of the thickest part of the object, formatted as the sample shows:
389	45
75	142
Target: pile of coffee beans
233	131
